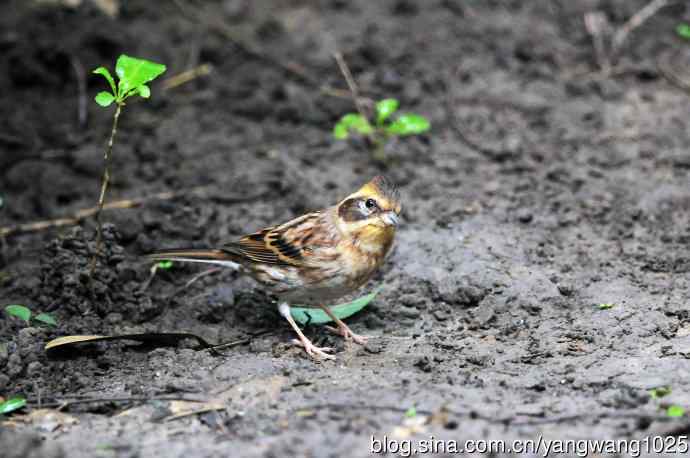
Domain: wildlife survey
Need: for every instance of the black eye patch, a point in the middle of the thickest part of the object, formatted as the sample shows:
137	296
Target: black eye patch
351	210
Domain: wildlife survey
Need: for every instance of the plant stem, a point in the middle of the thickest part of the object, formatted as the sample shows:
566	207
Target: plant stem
354	93
104	186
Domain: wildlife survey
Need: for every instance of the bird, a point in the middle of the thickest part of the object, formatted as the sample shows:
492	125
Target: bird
314	258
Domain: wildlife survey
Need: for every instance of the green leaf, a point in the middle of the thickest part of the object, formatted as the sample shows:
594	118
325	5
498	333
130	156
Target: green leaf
683	30
144	91
165	265
46	318
411	412
19	311
310	315
134	72
675	411
408	124
104	99
384	109
12	404
606	306
660	392
352	121
340	131
106	74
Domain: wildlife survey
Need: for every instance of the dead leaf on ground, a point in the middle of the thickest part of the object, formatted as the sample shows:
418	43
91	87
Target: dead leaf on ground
109	7
410	427
162	338
47	420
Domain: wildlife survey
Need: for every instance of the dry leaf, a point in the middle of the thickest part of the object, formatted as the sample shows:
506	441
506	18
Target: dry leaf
410	427
47	420
166	338
181	409
109	7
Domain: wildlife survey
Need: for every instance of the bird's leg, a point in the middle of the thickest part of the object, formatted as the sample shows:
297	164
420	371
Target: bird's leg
343	329
311	349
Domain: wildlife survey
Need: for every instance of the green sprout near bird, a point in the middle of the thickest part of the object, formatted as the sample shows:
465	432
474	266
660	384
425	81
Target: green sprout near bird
387	124
133	77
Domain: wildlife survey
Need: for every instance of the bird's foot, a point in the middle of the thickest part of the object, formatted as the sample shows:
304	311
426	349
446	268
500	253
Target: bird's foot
348	334
312	350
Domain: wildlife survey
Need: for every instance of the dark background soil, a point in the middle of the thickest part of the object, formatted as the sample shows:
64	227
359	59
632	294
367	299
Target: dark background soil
542	191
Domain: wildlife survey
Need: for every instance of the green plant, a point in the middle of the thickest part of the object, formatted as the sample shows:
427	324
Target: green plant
660	392
683	30
133	75
675	411
606	306
384	126
411	412
12	404
165	265
24	313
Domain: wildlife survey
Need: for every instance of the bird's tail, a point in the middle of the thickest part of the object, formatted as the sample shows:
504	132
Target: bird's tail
207	256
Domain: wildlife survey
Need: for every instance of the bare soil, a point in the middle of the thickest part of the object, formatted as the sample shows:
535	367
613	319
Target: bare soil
542	191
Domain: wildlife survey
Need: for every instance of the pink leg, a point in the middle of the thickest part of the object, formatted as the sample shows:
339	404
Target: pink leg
311	349
342	328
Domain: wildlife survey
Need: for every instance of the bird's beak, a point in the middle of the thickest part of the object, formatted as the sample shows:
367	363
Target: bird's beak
390	218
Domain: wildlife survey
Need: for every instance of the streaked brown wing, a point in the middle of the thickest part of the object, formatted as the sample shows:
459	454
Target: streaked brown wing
289	244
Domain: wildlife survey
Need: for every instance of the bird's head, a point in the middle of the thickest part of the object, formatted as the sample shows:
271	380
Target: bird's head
372	212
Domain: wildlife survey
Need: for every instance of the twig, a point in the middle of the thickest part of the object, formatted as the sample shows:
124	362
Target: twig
664	64
88	212
186	76
354	90
147	283
66	403
597	26
218	26
78	68
197	277
244	341
293	69
497	420
204	409
154	270
104	187
376	144
634	22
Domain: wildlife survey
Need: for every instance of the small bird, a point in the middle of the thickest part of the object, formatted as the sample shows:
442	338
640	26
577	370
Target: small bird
315	258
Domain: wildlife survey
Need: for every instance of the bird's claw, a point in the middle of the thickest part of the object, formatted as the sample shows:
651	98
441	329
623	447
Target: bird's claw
347	333
314	351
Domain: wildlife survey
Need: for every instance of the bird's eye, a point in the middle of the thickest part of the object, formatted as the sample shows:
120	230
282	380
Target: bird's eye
370	204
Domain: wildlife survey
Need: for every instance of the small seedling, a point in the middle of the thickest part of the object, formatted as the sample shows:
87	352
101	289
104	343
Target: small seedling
133	75
683	30
675	411
660	392
165	265
606	306
411	412
24	313
12	404
385	125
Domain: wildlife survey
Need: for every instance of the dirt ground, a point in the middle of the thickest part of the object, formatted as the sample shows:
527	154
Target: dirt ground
542	191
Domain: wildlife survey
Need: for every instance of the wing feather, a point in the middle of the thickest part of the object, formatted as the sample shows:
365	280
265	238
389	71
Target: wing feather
290	244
